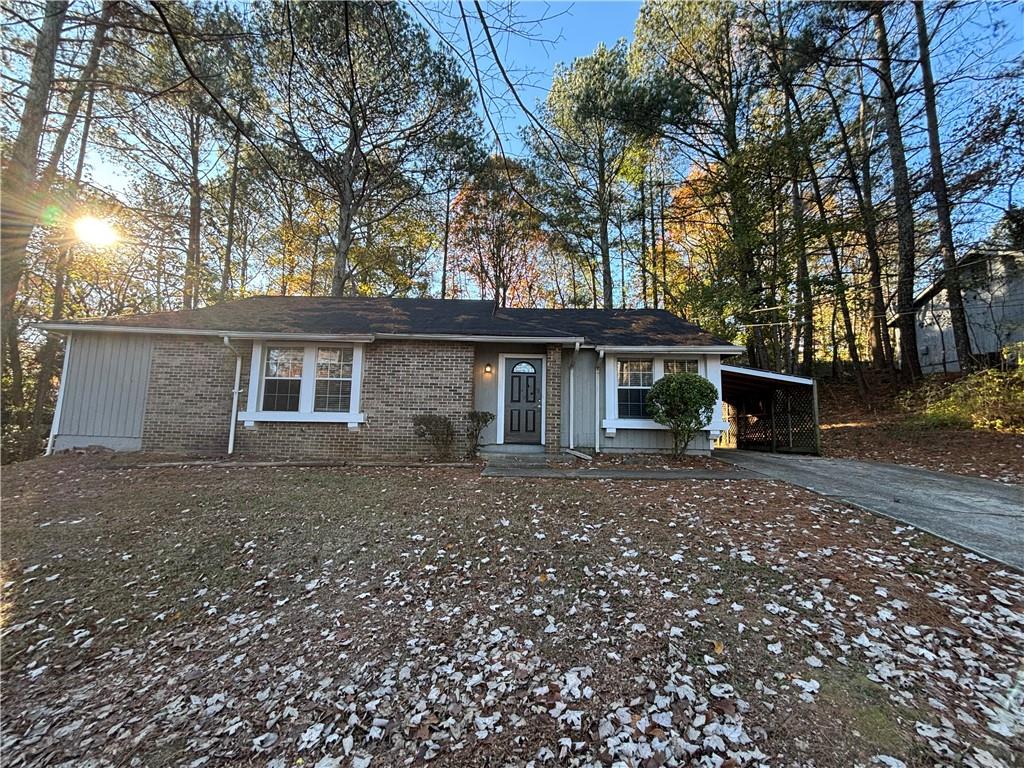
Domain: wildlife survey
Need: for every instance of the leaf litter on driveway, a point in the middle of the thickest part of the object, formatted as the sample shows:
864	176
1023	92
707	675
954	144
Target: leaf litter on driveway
207	616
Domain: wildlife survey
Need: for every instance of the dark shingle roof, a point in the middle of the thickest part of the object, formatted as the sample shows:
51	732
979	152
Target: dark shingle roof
382	316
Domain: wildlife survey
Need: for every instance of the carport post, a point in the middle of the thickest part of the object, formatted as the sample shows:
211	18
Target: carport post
771	408
814	412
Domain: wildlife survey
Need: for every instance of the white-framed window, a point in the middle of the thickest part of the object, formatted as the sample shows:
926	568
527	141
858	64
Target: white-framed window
282	379
304	382
628	378
635	379
333	379
681	365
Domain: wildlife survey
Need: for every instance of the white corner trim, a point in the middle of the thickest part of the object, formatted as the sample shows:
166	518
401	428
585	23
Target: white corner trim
499	409
59	407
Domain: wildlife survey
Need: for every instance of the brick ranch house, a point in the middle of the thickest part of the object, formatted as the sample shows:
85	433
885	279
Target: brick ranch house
341	378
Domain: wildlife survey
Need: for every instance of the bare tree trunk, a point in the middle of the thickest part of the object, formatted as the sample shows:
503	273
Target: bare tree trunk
346	200
664	247
905	321
18	205
225	277
48	354
654	249
190	292
444	245
951	278
803	277
603	215
860	181
84	83
643	238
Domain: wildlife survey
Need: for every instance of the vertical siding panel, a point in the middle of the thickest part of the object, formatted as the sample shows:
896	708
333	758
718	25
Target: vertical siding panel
105	391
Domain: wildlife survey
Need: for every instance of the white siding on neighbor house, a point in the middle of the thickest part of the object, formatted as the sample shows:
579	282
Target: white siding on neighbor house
994	305
104	392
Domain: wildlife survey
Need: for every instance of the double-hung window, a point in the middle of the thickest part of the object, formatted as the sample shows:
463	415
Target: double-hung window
282	378
304	382
333	379
686	365
636	377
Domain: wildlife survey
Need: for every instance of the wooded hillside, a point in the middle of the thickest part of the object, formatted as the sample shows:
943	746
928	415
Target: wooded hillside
786	174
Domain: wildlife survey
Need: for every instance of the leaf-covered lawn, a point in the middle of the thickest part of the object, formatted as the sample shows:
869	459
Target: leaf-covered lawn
330	617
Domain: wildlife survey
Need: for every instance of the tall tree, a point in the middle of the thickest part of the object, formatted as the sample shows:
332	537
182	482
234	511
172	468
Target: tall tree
906	322
951	276
18	208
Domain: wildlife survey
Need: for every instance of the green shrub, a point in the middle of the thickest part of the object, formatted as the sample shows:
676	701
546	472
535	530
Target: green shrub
438	430
989	399
683	402
478	421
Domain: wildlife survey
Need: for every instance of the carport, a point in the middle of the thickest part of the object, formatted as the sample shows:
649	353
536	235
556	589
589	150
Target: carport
769	411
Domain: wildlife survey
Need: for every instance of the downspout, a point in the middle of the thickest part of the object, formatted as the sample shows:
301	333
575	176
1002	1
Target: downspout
597	402
572	389
55	424
234	395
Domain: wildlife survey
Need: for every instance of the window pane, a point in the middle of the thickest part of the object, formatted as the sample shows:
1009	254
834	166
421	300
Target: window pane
636	373
332	395
633	404
333	363
284	362
524	368
281	394
680	366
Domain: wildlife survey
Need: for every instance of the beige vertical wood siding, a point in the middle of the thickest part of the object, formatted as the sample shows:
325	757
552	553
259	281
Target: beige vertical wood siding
104	396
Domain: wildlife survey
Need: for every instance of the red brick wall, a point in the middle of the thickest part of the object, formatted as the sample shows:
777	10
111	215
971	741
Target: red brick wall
553	399
188	401
400	380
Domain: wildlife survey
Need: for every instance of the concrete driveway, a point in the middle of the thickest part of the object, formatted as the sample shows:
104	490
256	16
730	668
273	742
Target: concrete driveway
982	515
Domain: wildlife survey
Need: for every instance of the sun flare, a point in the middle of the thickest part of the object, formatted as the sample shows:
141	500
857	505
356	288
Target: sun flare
96	232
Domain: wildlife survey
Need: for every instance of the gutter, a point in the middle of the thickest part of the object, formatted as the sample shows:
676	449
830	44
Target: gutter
714	349
597	401
267	336
234	395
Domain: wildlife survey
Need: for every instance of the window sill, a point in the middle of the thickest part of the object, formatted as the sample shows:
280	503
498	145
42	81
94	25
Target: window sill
613	424
249	417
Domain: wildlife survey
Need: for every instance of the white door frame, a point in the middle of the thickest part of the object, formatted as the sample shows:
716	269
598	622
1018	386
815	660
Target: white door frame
499	409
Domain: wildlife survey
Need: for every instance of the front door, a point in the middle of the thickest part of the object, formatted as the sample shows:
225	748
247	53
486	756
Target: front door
523	400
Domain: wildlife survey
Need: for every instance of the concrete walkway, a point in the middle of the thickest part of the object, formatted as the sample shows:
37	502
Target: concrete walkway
615	473
981	515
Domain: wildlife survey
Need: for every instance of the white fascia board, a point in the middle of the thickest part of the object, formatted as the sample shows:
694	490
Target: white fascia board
722	349
73	327
564	340
759	374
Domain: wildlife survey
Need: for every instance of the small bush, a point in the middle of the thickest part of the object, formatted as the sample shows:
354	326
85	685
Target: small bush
478	421
683	402
990	399
438	430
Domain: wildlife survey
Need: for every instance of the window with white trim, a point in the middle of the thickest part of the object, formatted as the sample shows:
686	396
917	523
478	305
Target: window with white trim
686	365
282	378
304	382
333	379
635	379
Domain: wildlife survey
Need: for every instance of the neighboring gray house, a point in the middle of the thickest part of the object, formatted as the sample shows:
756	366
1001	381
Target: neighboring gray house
992	283
341	378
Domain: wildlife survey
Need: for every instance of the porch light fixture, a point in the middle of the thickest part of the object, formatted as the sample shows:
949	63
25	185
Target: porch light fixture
487	368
